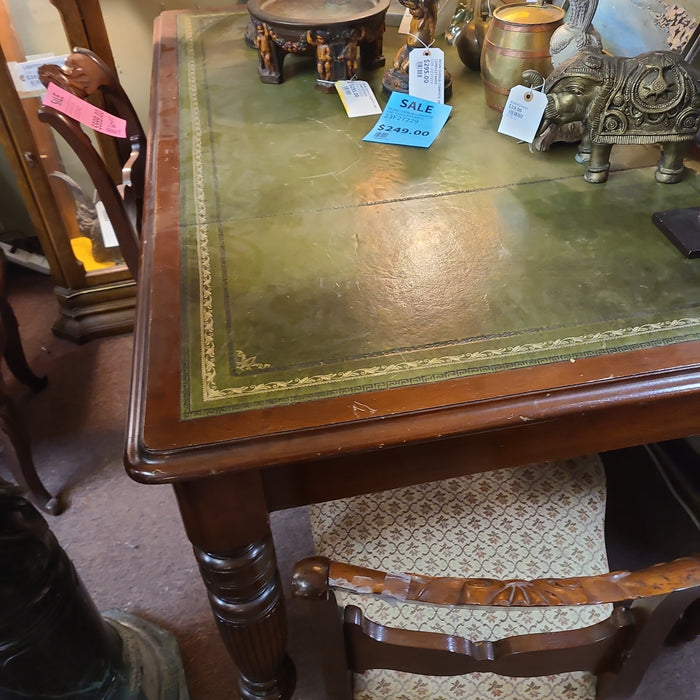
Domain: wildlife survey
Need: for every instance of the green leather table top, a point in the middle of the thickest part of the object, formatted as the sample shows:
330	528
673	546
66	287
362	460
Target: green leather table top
315	264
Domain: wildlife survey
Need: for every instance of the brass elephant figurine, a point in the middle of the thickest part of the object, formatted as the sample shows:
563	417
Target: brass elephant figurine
651	98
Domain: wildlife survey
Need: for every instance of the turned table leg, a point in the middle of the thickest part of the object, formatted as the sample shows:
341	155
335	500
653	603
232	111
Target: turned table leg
227	522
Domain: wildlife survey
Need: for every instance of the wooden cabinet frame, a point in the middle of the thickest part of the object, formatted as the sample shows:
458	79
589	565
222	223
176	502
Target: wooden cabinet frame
90	304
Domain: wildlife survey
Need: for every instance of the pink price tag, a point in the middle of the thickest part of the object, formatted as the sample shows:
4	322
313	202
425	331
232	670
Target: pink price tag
80	110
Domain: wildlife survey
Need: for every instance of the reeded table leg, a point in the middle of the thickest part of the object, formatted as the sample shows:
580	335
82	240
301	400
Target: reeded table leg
227	521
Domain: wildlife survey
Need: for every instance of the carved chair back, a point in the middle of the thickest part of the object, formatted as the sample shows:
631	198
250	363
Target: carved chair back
461	624
83	75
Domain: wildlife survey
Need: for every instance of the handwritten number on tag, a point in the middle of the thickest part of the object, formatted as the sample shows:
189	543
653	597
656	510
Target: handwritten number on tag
82	111
426	74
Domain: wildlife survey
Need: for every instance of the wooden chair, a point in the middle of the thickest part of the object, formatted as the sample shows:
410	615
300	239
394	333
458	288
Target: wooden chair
83	75
540	615
16	450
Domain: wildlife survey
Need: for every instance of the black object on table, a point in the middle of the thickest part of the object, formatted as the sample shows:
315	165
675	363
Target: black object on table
682	228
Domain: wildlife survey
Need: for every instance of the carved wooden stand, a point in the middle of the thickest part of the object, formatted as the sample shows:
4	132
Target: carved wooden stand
340	46
14	440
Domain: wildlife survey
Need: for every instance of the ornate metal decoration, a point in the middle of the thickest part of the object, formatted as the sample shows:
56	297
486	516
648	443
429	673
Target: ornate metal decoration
651	98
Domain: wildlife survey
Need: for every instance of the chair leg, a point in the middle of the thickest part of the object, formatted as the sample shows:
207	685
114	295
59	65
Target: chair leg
14	353
677	462
18	457
654	618
687	628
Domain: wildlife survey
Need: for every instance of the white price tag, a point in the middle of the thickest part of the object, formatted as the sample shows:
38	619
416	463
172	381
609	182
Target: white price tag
25	75
109	238
405	24
523	113
357	98
426	74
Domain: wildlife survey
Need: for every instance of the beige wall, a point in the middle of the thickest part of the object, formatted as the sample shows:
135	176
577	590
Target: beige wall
130	28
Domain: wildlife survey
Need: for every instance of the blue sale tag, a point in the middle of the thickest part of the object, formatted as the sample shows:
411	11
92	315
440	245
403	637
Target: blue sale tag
409	121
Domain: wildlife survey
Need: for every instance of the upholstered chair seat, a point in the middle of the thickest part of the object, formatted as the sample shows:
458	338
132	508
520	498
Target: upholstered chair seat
542	520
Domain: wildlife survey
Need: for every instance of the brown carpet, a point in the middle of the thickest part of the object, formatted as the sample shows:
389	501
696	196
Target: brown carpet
126	540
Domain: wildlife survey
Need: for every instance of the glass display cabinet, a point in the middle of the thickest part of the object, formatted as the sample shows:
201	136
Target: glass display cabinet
95	292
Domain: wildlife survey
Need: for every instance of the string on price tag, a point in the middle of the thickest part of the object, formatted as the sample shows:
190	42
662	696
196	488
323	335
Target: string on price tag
80	110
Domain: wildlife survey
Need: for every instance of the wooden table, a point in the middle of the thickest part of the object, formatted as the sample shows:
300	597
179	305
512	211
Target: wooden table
320	316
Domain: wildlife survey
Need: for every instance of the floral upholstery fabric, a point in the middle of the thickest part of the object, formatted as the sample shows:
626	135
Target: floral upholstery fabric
531	521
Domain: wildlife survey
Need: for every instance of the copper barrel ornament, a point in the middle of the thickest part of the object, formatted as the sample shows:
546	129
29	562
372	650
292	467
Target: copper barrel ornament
517	40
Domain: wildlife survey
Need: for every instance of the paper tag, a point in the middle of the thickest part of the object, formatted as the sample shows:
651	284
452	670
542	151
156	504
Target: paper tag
80	110
409	121
357	98
25	74
426	74
109	238
405	24
523	113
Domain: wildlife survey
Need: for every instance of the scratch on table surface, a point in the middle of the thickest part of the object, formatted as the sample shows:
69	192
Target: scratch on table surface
333	173
361	409
319	121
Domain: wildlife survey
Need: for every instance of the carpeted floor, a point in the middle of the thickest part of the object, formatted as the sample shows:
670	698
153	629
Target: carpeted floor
129	547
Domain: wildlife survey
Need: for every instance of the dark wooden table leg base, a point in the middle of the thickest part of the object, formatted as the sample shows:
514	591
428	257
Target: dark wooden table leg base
245	593
281	689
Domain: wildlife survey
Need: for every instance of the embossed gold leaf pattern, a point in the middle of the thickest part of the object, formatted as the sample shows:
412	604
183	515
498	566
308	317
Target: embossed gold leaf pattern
532	521
216	283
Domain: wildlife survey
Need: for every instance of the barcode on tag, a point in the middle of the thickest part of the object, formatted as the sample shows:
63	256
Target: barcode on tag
426	74
523	113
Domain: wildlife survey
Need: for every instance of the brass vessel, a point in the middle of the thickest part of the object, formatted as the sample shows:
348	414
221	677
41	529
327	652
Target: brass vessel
517	40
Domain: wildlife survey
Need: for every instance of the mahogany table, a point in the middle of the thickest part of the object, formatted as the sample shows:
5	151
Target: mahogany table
320	316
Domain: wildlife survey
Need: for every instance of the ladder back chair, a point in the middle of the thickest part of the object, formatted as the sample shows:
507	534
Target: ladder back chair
83	75
522	604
